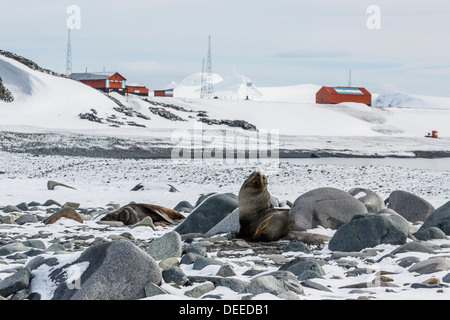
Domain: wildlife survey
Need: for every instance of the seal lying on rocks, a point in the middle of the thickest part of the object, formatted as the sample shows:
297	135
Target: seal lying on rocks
258	219
133	213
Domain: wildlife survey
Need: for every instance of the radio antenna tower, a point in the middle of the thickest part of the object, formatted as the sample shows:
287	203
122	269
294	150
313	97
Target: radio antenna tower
350	78
69	55
207	90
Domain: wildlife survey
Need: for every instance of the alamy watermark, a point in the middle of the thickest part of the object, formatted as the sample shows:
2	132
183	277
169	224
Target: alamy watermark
74	19
233	147
373	22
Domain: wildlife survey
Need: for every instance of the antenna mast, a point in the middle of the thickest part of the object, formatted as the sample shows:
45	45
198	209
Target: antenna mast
69	55
207	81
350	78
203	87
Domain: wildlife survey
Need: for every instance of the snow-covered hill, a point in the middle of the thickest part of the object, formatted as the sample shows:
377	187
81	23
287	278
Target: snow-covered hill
47	103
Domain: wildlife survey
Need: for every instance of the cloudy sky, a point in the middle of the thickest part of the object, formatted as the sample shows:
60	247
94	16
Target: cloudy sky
399	45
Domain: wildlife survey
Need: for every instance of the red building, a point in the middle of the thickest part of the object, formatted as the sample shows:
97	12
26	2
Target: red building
334	95
104	81
137	88
164	93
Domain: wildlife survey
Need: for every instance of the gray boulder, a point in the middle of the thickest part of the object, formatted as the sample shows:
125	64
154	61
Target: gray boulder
413	208
439	218
429	233
15	282
369	230
229	224
326	207
208	213
167	246
110	271
431	265
372	201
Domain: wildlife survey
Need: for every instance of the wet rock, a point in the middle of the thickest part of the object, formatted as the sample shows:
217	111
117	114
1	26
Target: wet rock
369	230
429	233
169	245
412	207
372	201
116	270
209	212
431	265
16	282
439	218
326	207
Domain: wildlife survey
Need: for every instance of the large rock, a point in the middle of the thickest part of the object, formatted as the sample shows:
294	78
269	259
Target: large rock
326	207
372	201
209	212
167	246
229	224
439	218
16	282
413	208
368	231
110	271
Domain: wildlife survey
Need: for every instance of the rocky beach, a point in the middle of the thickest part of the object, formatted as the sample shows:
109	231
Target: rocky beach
362	231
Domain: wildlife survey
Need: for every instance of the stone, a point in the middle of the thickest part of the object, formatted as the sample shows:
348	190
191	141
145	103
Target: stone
429	234
368	231
169	245
326	207
11	248
189	258
296	246
175	275
412	207
372	201
431	265
15	282
34	243
231	283
202	262
152	289
208	213
9	219
184	206
200	290
406	262
412	246
439	218
314	285
117	270
229	224
168	263
23	206
272	285
68	213
26	218
226	271
146	222
10	209
299	269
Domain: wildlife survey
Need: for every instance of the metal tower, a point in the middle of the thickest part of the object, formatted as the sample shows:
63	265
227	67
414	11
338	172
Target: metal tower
207	90
69	54
350	78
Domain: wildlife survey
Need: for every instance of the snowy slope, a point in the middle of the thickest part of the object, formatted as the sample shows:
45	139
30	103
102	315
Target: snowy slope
45	102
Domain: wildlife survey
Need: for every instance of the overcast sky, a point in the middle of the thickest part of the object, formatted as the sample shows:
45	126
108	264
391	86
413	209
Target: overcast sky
404	47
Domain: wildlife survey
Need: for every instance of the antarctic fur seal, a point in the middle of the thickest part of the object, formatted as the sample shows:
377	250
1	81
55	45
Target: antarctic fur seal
258	219
133	213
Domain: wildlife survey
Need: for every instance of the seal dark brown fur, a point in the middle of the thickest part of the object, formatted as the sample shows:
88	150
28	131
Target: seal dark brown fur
258	219
133	213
